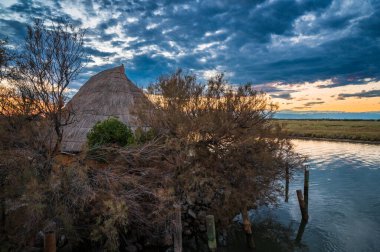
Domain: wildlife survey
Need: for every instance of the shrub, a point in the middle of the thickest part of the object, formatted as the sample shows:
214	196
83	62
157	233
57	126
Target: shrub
110	131
229	154
142	136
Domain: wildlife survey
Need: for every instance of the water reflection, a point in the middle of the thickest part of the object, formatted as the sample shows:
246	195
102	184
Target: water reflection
270	235
344	204
356	155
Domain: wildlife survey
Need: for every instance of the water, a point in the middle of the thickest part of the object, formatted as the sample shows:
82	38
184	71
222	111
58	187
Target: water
344	197
344	204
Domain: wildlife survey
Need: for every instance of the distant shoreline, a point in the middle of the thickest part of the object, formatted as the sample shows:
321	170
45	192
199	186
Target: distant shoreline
353	131
335	140
326	115
326	119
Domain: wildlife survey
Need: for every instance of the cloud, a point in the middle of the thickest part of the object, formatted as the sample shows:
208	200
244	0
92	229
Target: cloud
299	107
308	104
363	94
263	41
286	96
94	52
15	30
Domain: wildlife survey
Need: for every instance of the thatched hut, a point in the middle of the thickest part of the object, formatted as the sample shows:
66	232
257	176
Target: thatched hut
108	93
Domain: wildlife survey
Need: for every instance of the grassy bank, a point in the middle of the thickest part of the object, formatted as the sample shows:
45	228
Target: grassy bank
334	129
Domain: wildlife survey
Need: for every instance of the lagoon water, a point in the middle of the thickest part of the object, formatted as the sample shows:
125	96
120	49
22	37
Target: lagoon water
344	203
344	197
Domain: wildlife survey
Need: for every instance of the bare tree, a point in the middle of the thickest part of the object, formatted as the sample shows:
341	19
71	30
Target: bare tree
52	58
5	58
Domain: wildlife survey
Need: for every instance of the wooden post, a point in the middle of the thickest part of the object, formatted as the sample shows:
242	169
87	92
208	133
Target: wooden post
306	190
49	242
301	230
287	183
302	205
211	234
247	228
177	232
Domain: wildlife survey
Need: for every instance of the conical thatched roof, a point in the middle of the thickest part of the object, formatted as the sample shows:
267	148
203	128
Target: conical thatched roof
108	93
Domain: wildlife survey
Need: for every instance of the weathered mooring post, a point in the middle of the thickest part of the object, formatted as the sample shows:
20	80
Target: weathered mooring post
301	230
247	228
304	206
287	177
211	234
301	202
177	229
50	242
306	190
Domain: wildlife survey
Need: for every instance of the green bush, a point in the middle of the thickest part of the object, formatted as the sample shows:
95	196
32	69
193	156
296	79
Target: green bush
110	131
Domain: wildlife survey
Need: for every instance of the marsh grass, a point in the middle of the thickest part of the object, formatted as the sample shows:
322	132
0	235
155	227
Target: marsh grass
359	130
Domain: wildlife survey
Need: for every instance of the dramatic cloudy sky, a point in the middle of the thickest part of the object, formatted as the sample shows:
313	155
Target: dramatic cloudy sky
307	54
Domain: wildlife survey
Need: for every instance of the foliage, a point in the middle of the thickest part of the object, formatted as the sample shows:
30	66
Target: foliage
24	169
110	131
141	136
234	156
31	111
115	215
209	146
87	200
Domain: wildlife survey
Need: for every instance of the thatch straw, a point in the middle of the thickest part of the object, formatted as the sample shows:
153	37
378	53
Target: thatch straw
108	93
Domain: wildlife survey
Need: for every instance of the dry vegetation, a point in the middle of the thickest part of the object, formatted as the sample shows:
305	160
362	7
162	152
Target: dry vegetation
215	151
93	199
233	156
